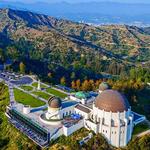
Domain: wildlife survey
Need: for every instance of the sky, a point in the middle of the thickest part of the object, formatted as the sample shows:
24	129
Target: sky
76	1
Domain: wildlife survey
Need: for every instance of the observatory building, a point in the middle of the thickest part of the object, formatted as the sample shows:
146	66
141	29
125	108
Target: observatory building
109	113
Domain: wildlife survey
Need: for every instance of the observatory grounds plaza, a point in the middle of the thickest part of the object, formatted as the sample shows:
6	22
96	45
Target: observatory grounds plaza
44	113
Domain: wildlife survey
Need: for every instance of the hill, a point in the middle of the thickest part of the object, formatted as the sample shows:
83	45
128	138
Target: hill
36	26
37	39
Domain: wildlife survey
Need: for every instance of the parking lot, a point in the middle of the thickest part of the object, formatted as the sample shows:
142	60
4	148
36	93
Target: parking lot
15	78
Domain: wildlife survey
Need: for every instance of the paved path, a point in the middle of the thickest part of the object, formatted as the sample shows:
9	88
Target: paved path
11	92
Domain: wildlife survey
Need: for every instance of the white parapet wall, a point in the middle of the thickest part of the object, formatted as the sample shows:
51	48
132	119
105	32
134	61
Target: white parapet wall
57	133
91	125
69	130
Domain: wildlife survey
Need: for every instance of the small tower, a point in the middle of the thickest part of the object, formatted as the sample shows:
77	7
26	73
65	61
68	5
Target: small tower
39	85
103	86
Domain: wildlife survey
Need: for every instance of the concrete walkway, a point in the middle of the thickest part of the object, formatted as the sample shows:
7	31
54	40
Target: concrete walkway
11	92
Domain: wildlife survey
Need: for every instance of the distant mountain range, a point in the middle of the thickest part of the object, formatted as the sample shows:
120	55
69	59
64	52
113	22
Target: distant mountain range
91	12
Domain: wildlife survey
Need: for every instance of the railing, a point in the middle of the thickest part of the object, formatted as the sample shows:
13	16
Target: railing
28	121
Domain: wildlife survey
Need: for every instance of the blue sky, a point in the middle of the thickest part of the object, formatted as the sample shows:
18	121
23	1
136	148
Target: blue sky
75	1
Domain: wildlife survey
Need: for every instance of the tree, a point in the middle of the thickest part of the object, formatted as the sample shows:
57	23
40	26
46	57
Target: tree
2	55
63	81
13	53
49	75
85	85
78	84
73	84
91	85
73	75
22	67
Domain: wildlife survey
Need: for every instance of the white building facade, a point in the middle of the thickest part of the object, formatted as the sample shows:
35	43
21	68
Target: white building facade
113	117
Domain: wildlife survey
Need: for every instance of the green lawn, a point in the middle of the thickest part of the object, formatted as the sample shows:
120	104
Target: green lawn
35	84
42	94
27	88
27	99
140	128
56	93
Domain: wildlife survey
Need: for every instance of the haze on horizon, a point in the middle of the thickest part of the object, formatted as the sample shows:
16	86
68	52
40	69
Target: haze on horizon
78	1
96	12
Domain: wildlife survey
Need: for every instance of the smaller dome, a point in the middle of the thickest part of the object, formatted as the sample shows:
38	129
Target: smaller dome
82	94
54	102
103	86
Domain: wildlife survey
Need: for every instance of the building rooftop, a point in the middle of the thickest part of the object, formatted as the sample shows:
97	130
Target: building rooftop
82	95
83	108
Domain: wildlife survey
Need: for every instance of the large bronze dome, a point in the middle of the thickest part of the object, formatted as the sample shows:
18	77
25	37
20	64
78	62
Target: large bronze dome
111	100
54	102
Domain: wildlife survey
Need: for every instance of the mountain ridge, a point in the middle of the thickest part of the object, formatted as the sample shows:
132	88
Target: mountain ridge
48	34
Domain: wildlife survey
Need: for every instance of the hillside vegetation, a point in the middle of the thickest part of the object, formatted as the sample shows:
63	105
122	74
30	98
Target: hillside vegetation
56	45
50	34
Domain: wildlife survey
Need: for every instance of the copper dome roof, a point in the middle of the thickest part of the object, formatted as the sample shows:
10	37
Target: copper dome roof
54	102
103	86
111	100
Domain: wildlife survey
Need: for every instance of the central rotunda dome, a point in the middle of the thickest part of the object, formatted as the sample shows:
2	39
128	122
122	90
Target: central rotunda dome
111	100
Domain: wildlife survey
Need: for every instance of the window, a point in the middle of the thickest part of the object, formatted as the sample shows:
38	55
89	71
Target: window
112	122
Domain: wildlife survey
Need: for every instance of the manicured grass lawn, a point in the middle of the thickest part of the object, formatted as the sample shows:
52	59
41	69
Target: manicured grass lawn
140	128
27	88
56	93
42	94
35	84
27	99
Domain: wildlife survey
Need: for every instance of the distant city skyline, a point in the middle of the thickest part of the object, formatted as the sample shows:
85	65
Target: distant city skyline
78	1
